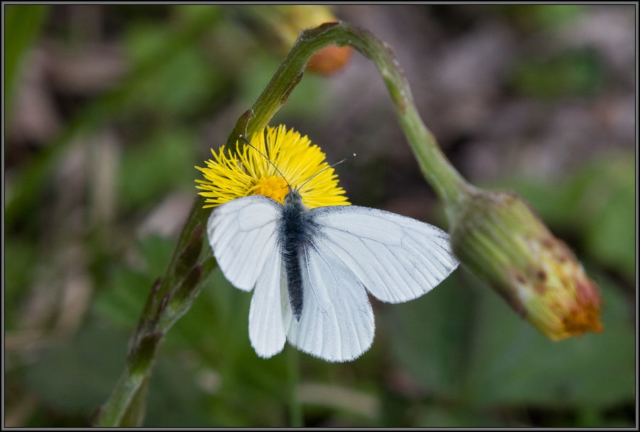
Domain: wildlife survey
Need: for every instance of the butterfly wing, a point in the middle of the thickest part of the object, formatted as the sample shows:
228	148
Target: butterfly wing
395	257
266	329
243	235
336	322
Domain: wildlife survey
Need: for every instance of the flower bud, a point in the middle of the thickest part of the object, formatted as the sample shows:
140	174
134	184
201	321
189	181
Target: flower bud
500	238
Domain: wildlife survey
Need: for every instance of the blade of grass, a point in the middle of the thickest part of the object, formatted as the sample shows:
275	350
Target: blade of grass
22	26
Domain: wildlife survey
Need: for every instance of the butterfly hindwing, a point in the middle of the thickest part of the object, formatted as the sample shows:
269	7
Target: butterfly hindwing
336	322
395	257
243	234
266	329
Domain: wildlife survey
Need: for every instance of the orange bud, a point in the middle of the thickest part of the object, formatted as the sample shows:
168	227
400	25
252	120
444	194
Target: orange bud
330	59
280	25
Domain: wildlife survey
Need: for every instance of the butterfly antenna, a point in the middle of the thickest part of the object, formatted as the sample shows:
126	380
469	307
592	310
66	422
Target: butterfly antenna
268	160
323	170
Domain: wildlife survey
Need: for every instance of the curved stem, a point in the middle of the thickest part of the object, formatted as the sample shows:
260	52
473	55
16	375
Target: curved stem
447	182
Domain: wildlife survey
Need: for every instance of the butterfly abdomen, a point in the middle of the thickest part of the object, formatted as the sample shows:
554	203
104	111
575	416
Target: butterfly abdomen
295	234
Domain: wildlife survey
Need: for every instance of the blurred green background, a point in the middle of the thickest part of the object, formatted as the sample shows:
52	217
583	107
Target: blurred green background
109	107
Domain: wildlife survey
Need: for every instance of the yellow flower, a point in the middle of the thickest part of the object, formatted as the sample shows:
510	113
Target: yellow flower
229	176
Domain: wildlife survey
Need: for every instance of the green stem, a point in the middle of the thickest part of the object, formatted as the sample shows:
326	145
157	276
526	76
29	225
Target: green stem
134	416
121	400
127	401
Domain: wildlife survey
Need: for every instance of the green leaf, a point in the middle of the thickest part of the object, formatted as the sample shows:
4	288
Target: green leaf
463	342
514	364
79	375
430	335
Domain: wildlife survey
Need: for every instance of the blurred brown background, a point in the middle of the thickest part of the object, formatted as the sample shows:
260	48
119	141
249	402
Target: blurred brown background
109	108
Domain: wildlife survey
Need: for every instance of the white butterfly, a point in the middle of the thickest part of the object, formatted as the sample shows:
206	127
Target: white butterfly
311	269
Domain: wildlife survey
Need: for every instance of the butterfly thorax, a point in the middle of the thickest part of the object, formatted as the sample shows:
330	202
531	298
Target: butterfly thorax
295	234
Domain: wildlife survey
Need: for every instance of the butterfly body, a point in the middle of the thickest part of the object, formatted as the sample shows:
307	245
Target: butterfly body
296	233
311	269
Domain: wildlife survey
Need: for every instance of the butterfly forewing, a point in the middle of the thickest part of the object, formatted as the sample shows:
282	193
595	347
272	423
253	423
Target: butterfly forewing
395	257
243	234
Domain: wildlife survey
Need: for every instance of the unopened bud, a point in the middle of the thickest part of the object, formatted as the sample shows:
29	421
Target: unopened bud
500	238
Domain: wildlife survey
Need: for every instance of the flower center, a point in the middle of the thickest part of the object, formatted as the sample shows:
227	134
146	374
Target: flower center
272	187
